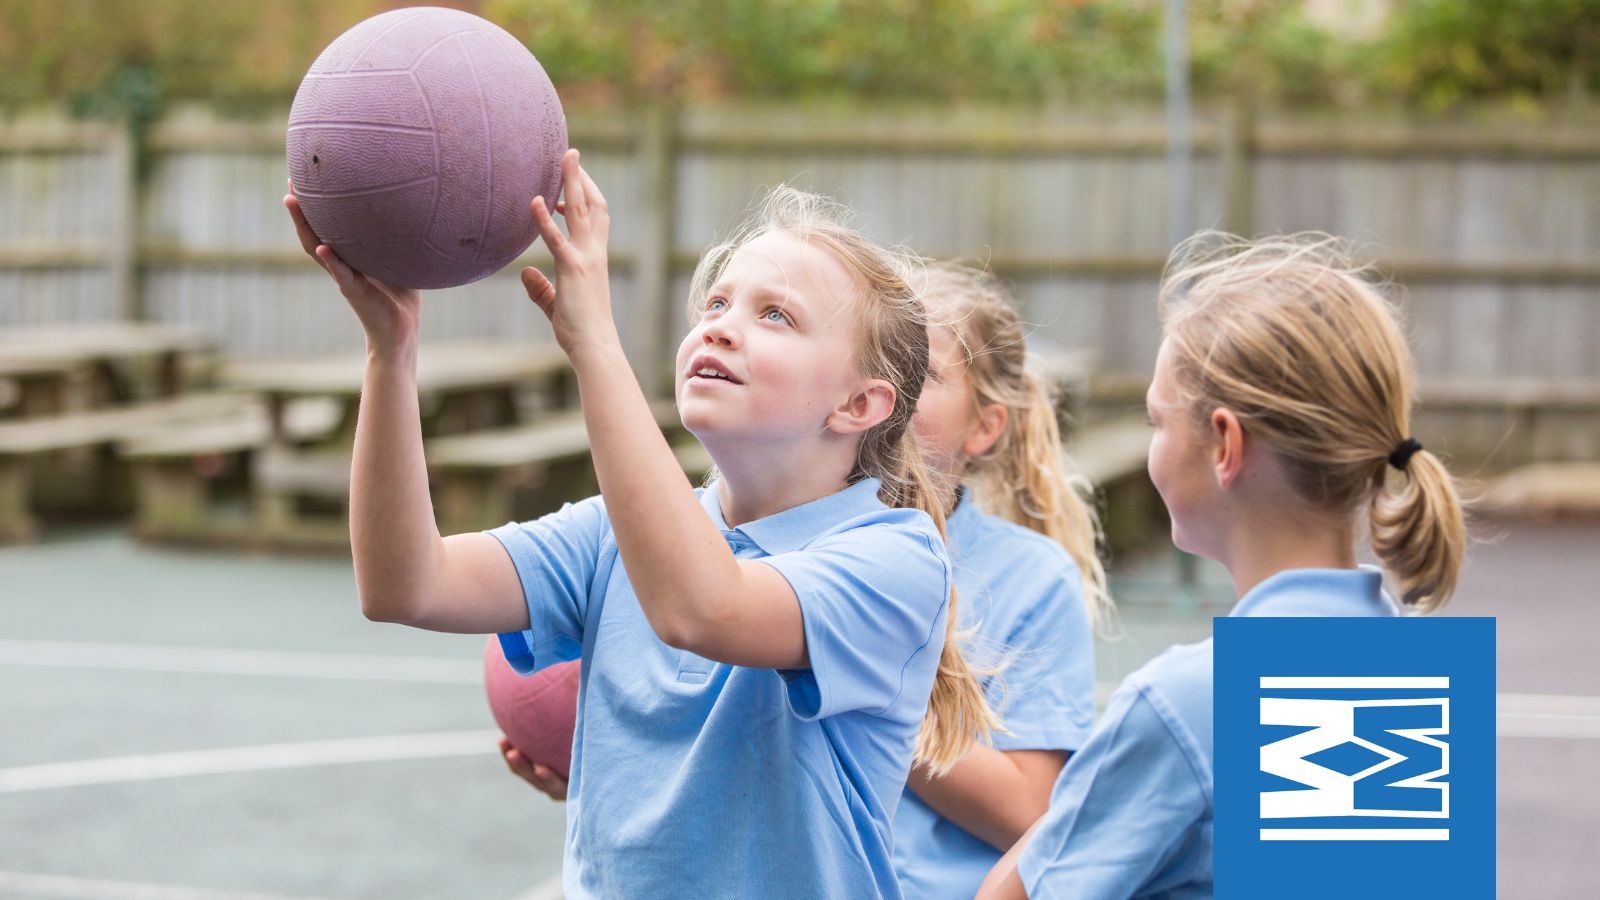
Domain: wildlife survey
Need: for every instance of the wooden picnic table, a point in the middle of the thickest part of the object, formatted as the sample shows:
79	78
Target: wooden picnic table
75	366
462	386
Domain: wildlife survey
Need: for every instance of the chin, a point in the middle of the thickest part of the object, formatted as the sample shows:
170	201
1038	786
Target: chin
1185	539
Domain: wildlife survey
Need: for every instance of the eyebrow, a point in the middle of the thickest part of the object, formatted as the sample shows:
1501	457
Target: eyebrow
784	300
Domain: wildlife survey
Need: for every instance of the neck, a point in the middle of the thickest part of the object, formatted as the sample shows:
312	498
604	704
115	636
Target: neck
759	481
1265	546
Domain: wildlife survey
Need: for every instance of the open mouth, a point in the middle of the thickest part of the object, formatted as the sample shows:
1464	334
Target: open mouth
709	369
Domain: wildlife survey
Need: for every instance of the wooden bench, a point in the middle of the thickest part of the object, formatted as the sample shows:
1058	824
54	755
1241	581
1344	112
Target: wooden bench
26	443
102	363
1113	455
192	481
488	478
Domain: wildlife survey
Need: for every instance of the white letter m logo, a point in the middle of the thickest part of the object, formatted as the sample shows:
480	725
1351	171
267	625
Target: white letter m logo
1366	757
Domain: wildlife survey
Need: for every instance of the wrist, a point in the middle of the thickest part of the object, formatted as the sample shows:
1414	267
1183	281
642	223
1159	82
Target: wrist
600	345
392	356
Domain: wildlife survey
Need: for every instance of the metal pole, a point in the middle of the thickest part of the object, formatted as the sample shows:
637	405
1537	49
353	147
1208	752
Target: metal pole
1180	211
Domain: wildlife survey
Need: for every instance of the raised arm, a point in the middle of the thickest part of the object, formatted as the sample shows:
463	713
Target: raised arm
405	572
696	595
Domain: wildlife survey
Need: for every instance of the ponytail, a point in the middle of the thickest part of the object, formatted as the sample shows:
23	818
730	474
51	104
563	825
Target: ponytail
958	714
1417	530
1026	478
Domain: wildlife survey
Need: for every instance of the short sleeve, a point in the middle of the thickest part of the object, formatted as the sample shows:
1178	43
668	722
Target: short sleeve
1122	808
556	557
1045	694
873	600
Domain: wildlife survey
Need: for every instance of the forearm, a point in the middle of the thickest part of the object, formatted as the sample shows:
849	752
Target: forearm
685	574
394	539
994	795
1004	881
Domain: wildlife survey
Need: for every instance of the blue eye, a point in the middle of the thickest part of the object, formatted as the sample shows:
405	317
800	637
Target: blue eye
775	315
716	304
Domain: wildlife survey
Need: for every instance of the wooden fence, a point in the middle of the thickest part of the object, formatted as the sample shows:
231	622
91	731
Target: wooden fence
1491	233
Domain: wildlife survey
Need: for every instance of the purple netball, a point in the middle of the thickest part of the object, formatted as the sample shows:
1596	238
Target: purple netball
416	142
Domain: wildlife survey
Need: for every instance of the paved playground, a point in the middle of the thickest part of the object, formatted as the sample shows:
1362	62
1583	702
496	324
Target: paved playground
182	725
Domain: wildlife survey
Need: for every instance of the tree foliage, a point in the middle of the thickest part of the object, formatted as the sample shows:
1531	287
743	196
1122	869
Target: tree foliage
129	57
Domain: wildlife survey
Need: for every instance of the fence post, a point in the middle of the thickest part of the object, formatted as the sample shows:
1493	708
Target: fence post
1238	166
657	155
122	255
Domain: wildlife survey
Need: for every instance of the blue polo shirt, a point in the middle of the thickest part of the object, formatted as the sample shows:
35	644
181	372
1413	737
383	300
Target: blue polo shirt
692	778
1130	815
1023	594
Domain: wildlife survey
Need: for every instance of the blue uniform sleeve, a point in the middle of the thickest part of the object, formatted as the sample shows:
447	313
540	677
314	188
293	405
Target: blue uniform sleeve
1126	804
1045	694
556	557
873	600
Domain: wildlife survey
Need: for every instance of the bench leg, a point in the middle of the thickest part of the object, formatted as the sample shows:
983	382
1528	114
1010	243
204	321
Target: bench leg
471	501
16	522
172	500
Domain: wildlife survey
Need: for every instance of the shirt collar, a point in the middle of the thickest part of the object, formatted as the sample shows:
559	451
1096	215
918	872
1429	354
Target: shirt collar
798	526
1318	592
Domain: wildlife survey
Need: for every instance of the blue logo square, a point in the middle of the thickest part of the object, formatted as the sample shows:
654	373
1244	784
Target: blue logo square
1354	757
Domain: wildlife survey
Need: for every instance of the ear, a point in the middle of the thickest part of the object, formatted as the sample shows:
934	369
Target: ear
990	425
1228	439
864	409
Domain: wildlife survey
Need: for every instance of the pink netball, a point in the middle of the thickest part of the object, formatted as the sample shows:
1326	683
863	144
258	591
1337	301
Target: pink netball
537	712
416	142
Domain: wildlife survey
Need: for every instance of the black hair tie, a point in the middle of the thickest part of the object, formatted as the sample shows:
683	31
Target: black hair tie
1403	453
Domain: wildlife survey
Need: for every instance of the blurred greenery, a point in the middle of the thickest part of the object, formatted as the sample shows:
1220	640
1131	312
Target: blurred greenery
131	57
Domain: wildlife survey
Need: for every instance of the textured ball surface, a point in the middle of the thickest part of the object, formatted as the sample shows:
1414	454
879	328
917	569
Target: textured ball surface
416	142
537	712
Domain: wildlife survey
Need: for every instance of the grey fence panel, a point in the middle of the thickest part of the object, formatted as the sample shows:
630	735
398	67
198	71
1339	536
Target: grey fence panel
1493	238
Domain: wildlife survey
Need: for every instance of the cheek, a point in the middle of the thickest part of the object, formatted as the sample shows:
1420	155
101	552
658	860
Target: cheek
926	422
687	345
934	417
1167	472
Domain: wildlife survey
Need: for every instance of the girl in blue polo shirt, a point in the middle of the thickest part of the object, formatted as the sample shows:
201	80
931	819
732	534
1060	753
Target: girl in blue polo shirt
763	661
1281	407
1022	543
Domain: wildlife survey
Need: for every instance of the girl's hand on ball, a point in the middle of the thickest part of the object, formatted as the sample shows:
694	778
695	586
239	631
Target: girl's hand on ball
543	778
578	302
390	316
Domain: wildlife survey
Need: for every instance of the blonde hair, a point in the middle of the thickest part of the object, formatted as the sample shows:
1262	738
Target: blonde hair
1293	337
893	325
1025	476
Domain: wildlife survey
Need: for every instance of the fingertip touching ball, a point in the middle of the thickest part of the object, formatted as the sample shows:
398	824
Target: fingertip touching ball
536	712
416	142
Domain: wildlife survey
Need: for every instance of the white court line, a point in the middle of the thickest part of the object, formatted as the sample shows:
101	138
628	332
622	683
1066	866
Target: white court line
236	661
1558	716
247	759
549	889
1551	716
26	883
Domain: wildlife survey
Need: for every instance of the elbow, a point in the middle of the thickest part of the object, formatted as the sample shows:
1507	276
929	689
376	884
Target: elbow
389	608
687	629
678	634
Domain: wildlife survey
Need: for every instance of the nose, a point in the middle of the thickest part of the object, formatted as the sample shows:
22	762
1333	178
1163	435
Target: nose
719	334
